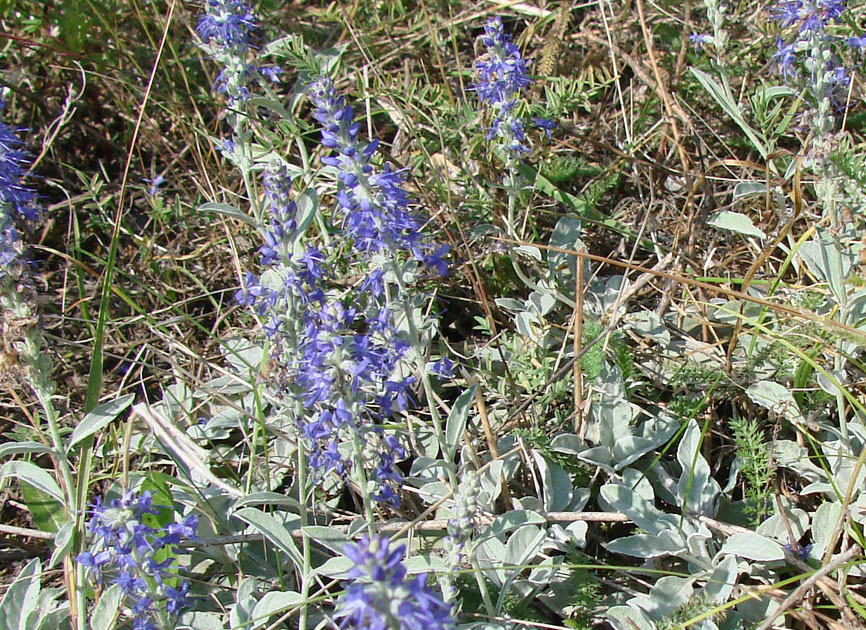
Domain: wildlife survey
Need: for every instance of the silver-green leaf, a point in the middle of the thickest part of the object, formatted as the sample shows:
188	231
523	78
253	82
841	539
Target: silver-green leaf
99	418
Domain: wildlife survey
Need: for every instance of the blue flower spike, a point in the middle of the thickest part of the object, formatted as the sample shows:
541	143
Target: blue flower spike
380	596
122	546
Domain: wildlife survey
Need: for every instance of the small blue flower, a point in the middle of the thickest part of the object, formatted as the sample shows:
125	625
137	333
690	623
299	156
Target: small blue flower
546	125
787	12
94	563
832	9
444	368
436	259
812	22
386	475
800	550
784	58
176	598
155	183
699	39
271	72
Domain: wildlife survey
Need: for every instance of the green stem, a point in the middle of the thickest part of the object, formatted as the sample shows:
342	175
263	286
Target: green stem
360	476
305	539
489	606
420	354
72	502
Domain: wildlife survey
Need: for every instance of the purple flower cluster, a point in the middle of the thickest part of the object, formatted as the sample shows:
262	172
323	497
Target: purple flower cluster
811	15
17	201
341	354
348	382
226	25
122	544
502	79
297	273
381	597
375	205
338	363
225	29
502	74
809	54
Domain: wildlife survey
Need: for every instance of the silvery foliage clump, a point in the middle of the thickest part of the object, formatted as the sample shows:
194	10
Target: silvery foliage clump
718	557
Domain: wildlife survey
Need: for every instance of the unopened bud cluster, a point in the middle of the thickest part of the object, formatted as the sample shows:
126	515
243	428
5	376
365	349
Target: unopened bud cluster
462	524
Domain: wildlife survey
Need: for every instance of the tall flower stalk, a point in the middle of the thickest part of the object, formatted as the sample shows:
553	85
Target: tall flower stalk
225	29
807	53
374	209
22	332
502	79
501	86
345	356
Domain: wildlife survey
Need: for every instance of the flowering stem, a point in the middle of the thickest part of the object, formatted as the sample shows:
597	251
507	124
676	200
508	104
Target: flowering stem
75	572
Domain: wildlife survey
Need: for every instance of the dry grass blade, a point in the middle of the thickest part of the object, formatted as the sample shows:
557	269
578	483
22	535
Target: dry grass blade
193	456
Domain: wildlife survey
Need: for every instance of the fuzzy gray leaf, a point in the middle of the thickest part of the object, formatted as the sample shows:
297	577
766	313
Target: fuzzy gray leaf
107	608
753	546
100	417
20	597
667	543
639	510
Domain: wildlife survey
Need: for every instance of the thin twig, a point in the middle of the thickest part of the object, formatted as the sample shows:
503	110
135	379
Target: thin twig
25	531
801	590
